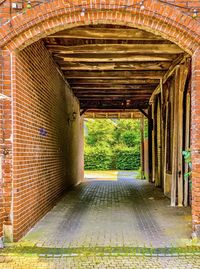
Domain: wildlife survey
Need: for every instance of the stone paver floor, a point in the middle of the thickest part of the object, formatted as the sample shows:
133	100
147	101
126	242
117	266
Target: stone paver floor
123	211
121	223
101	263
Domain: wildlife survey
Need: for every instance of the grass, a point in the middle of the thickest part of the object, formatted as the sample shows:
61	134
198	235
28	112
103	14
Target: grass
100	251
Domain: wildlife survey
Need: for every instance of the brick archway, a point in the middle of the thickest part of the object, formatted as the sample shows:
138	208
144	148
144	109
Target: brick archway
48	18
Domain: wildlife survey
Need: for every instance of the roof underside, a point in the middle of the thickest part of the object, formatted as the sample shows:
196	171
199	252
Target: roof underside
112	68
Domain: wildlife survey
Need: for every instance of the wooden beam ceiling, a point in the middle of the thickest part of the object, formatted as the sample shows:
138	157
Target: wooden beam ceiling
116	48
114	74
103	58
112	67
106	33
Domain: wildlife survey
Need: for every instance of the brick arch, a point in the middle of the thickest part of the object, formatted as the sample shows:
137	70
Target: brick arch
48	18
156	18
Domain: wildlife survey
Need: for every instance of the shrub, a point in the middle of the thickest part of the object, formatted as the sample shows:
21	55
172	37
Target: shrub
98	158
127	158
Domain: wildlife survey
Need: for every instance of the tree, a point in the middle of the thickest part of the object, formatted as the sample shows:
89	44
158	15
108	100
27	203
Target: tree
112	144
100	131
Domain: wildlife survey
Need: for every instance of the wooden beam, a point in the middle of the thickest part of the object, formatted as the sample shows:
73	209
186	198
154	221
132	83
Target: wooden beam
184	69
123	81
105	33
142	147
145	114
116	48
83	111
116	107
173	66
106	87
113	74
112	97
102	58
187	146
95	113
150	127
114	93
116	66
175	142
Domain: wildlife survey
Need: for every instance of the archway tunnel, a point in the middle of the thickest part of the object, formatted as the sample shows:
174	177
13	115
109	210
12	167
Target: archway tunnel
85	71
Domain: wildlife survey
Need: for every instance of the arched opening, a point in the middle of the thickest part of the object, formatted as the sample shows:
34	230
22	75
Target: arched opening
163	62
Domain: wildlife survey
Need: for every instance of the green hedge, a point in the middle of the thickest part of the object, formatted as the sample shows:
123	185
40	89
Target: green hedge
98	158
127	158
119	158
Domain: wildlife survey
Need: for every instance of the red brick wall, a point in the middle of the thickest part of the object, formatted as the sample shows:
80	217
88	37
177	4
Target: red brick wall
6	13
56	15
42	163
1	179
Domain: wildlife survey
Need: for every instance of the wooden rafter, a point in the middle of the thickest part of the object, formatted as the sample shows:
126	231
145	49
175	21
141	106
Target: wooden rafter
106	33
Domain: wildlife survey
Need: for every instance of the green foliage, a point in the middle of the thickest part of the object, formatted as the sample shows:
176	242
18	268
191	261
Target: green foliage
112	144
98	157
188	160
100	131
127	158
128	132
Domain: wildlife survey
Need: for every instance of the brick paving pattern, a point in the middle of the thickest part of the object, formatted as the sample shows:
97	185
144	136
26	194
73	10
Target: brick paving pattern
107	214
101	263
126	212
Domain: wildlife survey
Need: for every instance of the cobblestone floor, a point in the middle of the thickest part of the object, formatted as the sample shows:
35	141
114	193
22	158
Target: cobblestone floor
123	212
112	216
101	263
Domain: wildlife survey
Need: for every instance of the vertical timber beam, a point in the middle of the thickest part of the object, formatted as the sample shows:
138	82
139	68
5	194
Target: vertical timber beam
162	136
153	143
187	146
182	82
150	125
142	147
158	144
175	141
165	148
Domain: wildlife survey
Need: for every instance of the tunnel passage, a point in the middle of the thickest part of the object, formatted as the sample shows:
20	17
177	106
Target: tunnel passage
113	69
121	211
93	69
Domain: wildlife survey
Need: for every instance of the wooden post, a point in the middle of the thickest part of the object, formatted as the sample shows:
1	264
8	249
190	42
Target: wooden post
158	145
150	125
142	147
153	143
187	145
182	82
165	146
175	140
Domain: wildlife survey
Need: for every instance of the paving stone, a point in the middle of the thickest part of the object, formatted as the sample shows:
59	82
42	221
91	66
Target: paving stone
116	213
109	215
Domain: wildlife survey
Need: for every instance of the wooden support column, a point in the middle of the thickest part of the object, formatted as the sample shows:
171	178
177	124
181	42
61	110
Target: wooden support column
187	146
158	144
182	82
166	190
150	125
175	141
177	169
162	135
142	148
153	142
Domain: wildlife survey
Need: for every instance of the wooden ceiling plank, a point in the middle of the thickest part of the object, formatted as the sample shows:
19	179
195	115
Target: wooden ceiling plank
116	66
97	87
116	48
106	33
113	80
114	74
89	58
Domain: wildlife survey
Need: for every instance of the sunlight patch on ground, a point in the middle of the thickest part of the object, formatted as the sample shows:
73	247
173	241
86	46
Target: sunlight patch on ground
113	175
